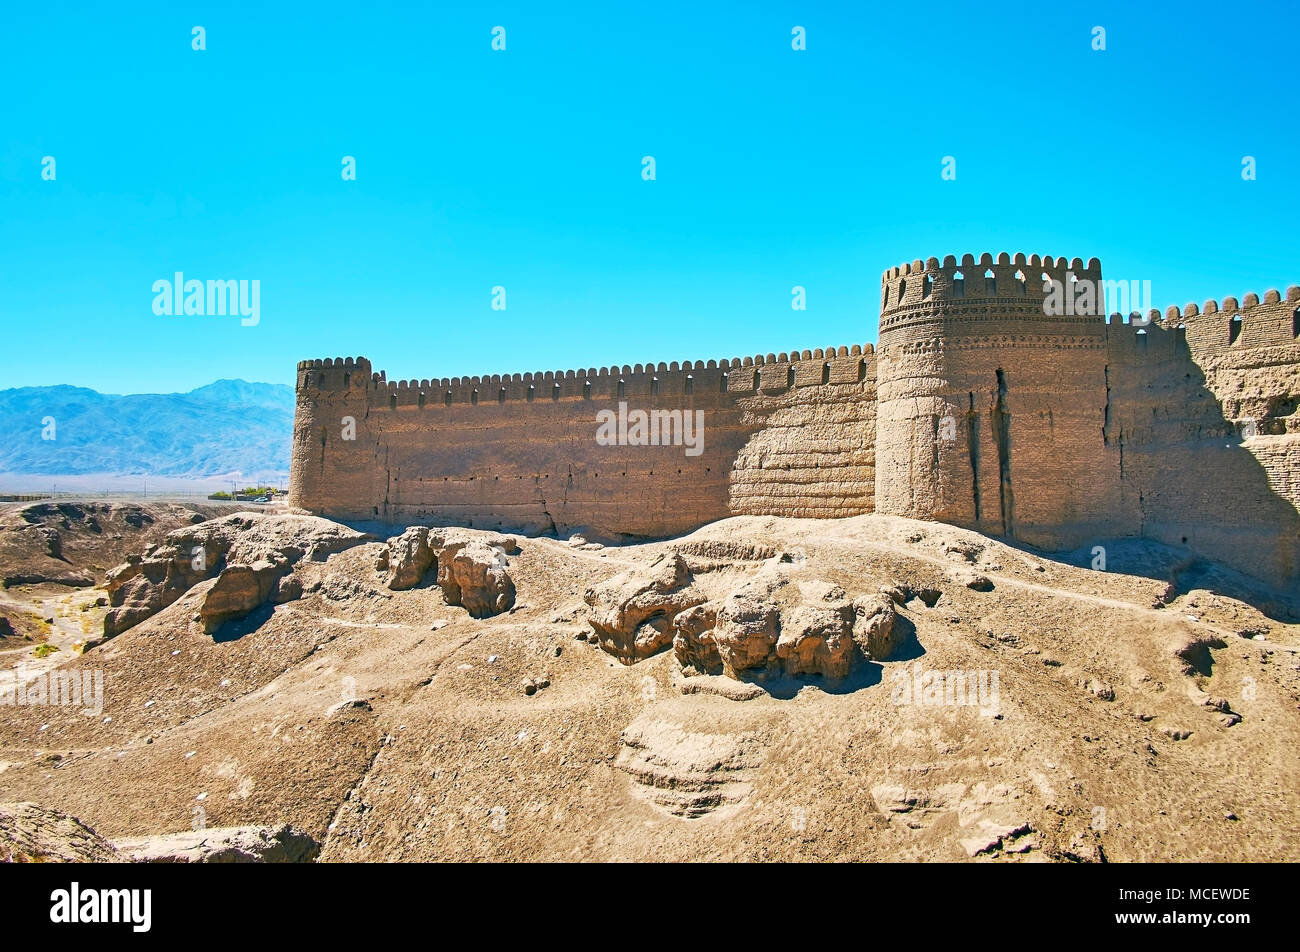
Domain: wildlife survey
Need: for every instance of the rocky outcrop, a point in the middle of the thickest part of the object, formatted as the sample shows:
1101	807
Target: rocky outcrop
816	640
45	540
146	584
239	589
875	626
408	557
32	834
475	575
688	773
235	844
632	614
693	642
748	626
472	571
1194	653
769	627
724	550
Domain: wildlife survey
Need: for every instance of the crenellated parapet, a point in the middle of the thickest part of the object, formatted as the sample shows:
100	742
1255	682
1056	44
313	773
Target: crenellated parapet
1237	332
333	373
953	299
1215	327
761	372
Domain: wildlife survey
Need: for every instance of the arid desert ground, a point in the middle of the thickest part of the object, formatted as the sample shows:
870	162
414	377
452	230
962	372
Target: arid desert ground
760	689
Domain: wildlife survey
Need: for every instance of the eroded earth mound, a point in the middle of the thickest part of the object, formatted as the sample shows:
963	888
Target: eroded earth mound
871	688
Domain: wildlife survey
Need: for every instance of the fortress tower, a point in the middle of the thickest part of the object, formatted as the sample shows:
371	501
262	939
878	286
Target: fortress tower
333	443
991	411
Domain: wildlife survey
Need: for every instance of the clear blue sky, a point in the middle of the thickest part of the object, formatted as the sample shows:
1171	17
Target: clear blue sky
522	168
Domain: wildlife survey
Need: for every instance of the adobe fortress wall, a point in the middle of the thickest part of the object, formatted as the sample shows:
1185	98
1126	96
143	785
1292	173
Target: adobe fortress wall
1202	414
978	408
788	434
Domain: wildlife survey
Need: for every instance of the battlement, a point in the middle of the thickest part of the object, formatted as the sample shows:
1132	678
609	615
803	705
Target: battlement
346	363
1234	325
333	373
929	299
1229	326
928	282
766	372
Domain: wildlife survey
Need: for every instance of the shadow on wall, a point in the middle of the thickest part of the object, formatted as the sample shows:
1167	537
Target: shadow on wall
1193	482
1193	478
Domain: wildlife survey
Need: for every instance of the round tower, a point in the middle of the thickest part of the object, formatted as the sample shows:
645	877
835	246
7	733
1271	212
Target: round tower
332	468
992	397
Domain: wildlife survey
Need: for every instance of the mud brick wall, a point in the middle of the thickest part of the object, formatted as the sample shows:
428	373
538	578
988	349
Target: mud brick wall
788	434
978	409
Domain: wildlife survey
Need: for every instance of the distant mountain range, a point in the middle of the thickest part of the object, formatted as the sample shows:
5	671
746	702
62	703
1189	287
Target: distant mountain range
231	426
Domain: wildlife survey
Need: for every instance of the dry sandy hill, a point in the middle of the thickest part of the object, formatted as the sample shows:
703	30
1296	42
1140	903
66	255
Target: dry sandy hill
75	542
53	554
1144	713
